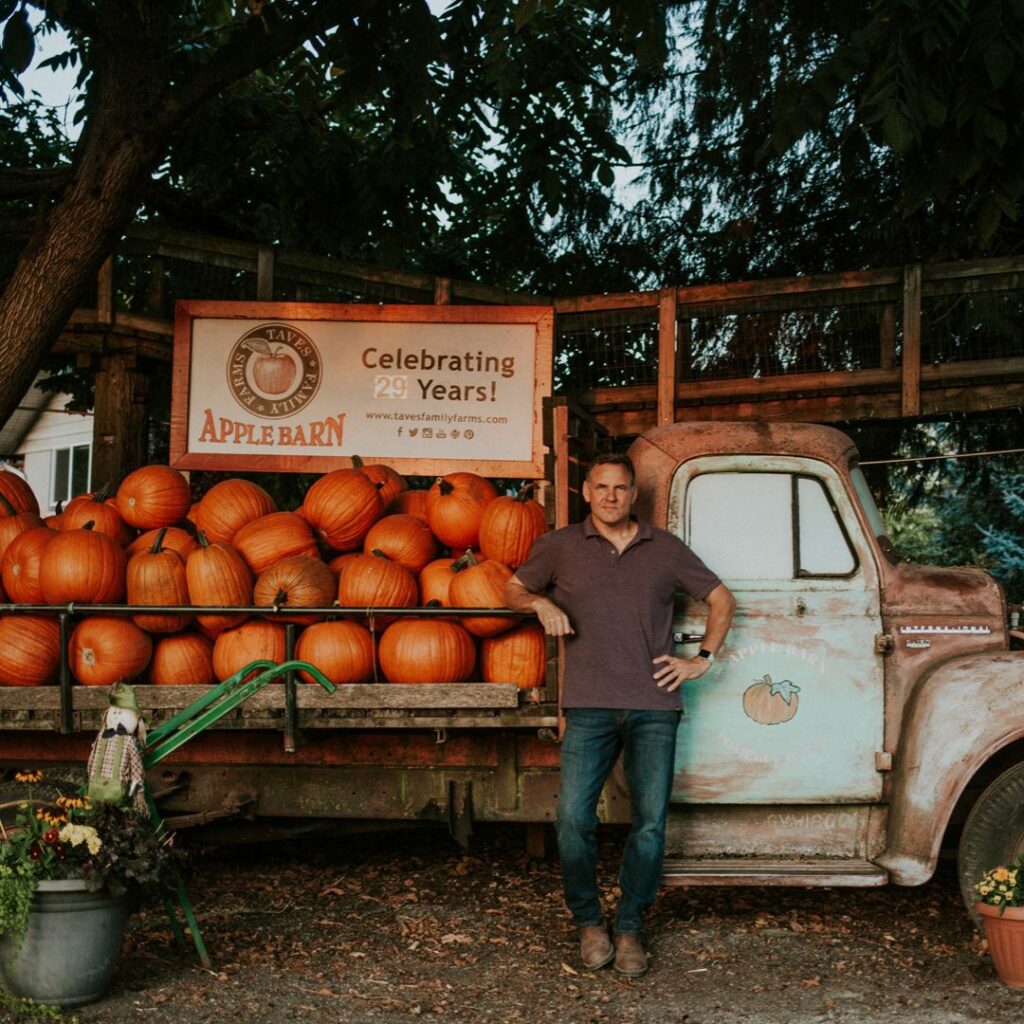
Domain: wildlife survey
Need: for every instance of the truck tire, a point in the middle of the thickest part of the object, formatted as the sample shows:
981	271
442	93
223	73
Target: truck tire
993	833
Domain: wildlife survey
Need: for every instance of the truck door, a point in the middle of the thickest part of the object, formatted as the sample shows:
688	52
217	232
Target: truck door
792	709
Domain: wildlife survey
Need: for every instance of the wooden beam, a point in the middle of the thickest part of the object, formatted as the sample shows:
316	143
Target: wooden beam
594	303
105	292
846	281
118	420
442	291
911	400
265	273
887	338
668	372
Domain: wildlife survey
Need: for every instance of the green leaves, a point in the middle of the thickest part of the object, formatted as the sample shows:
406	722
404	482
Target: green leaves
19	45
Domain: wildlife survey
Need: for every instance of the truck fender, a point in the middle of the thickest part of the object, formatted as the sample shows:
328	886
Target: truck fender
958	717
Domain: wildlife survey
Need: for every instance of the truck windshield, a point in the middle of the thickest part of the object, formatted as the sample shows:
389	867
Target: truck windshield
867	500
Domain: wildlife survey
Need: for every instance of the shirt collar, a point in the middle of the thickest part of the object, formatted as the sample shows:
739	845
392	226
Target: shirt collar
644	531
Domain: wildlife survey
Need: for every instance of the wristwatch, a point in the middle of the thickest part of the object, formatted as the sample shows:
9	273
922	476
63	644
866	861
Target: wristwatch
705	654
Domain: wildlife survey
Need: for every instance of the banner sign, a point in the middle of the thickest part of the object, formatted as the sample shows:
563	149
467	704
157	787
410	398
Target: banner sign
299	387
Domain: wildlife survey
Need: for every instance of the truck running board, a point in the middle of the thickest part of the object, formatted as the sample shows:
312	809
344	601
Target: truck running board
780	871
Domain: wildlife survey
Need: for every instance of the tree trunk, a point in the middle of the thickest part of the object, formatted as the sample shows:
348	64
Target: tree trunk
113	159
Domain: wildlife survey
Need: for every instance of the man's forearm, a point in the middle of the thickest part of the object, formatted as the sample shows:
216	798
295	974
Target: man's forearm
721	606
552	618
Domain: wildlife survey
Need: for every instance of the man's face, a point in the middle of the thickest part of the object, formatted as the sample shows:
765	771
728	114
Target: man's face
609	493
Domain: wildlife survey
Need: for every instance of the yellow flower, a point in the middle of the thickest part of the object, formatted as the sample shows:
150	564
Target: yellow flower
78	834
71	803
28	776
997	898
1001	874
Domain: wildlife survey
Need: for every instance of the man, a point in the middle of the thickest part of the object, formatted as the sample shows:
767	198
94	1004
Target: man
612	580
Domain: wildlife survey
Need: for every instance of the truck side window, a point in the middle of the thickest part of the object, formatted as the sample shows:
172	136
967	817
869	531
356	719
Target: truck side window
766	526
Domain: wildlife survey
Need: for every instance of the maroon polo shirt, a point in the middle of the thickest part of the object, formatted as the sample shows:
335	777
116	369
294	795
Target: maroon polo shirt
620	607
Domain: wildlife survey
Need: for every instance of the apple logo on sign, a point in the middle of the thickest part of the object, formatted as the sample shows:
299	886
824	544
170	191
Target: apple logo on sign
274	370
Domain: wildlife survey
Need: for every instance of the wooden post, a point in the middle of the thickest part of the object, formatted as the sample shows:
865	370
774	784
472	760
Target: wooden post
265	274
442	291
887	338
157	288
667	375
911	399
105	292
119	417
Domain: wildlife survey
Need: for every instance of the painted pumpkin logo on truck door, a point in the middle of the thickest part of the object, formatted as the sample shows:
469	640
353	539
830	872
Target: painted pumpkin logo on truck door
771	703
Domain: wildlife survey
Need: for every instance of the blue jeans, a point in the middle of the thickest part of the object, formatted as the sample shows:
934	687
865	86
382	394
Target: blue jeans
592	742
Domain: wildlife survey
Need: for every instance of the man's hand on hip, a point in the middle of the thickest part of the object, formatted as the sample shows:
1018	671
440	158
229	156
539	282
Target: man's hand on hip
674	671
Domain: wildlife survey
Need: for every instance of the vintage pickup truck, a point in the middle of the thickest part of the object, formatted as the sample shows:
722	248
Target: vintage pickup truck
863	714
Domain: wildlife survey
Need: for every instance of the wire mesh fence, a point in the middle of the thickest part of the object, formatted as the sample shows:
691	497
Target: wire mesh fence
784	329
972	325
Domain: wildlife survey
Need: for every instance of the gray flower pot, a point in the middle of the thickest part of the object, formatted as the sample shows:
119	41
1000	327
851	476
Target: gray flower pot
71	945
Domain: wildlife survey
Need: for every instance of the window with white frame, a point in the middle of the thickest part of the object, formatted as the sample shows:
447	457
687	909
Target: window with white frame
766	526
70	473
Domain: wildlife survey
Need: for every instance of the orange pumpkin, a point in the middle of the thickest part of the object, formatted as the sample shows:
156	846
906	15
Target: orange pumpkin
254	640
436	582
106	649
426	651
270	538
409	503
153	496
481	585
217	575
391	482
13	523
406	540
342	506
769	703
455	506
228	506
19	567
296	582
95	509
517	656
82	565
373	581
155	577
509	526
343	651
17	492
182	659
176	539
29	650
338	563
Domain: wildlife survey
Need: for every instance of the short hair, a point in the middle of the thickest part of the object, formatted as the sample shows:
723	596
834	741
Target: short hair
614	459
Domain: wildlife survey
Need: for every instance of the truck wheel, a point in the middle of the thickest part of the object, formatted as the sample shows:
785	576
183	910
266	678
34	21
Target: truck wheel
993	833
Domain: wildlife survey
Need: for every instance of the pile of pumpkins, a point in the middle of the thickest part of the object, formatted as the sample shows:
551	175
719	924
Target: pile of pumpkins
361	539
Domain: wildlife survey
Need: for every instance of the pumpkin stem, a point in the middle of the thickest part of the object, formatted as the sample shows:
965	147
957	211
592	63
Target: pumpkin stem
357	462
158	542
526	490
377	553
201	537
89	525
445	486
59	507
8	507
433	603
102	494
281	597
465	562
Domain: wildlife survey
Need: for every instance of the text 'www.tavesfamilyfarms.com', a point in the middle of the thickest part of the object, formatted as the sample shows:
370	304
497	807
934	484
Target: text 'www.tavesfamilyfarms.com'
434	417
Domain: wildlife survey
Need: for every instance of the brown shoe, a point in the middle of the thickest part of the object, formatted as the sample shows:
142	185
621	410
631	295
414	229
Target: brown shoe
596	949
630	958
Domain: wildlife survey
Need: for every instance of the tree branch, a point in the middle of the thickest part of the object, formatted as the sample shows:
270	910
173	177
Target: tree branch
77	15
264	38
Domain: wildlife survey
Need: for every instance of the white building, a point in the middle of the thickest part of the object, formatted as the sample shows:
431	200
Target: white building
49	446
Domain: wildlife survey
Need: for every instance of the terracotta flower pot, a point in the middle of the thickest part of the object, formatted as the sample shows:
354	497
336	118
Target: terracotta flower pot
1004	930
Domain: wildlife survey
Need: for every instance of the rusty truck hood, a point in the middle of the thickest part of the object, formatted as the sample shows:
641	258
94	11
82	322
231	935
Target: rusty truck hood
947	592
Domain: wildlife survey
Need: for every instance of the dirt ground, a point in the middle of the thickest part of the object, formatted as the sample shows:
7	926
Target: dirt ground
403	925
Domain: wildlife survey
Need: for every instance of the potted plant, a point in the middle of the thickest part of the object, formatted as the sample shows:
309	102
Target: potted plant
1001	905
68	873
